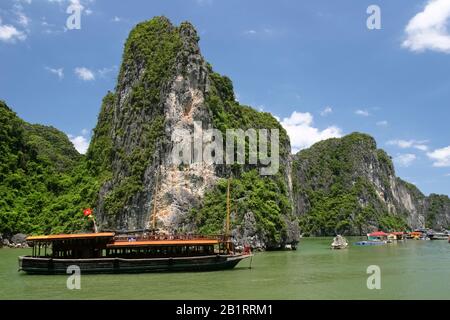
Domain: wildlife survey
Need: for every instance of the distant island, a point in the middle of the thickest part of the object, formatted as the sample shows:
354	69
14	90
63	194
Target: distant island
342	185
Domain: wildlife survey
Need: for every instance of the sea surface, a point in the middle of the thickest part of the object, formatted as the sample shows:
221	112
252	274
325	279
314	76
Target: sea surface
409	270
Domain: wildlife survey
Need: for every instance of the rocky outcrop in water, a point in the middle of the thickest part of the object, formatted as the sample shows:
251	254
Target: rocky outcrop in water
161	88
349	186
17	241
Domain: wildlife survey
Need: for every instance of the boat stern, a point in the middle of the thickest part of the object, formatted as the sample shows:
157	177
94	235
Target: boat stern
20	263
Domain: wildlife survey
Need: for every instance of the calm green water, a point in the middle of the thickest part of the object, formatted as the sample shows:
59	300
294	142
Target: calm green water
411	270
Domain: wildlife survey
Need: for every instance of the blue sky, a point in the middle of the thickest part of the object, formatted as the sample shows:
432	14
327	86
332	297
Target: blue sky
313	64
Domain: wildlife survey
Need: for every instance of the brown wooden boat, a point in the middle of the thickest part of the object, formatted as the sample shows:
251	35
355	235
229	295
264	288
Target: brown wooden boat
107	253
139	252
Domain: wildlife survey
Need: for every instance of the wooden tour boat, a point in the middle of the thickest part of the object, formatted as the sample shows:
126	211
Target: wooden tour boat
108	252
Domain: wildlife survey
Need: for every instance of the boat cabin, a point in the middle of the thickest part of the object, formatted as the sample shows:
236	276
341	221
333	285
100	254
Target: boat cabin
70	246
107	245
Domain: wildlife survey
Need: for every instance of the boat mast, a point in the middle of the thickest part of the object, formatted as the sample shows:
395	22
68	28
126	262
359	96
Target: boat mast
227	223
154	202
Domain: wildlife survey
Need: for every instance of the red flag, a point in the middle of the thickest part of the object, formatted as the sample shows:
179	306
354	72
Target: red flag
87	212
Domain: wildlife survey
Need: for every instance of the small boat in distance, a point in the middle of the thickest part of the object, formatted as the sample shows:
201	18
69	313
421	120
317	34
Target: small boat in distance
419	234
370	243
438	236
377	238
339	242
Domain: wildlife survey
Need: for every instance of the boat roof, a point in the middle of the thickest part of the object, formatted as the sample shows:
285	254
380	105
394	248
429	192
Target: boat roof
71	236
195	242
377	234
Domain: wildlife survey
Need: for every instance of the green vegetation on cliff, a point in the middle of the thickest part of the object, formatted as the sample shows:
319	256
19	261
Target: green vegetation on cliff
229	114
250	193
151	49
333	176
438	212
43	184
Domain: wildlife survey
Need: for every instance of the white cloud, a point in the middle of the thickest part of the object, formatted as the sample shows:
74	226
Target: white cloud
363	113
9	33
427	30
21	17
421	147
441	157
50	28
74	2
447	175
405	160
263	32
407	144
303	134
116	19
59	72
77	4
84	74
326	111
383	123
103	73
80	143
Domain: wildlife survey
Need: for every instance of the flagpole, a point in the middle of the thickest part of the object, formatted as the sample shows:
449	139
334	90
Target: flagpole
95	224
88	213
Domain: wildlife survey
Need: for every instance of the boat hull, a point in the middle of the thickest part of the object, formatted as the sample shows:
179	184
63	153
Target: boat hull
439	237
370	243
118	265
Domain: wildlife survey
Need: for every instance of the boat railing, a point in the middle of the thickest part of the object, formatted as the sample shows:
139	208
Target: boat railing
165	237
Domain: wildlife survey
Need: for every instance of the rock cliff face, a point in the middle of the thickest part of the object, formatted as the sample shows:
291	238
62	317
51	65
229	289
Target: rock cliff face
161	89
349	186
437	212
166	87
